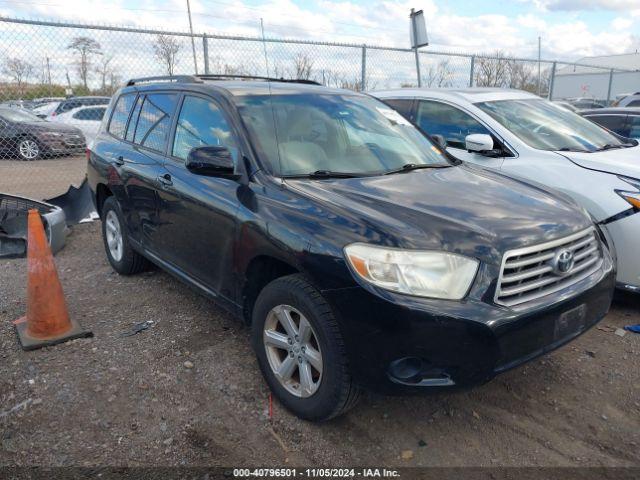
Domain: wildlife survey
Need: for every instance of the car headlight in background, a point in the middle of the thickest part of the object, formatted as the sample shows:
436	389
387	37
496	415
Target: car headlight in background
631	197
422	273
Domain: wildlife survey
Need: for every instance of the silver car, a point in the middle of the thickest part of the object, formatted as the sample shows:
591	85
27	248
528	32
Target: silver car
527	137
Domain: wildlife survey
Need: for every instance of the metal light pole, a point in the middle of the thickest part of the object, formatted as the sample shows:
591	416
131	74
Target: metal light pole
539	76
415	43
193	43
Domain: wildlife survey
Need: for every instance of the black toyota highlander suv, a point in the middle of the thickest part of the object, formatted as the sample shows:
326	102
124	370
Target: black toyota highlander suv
361	255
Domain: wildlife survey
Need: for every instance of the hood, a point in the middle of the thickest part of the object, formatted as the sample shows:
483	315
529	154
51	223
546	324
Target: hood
459	209
48	127
621	161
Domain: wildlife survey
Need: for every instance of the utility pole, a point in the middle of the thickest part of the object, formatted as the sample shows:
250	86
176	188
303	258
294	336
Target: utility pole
415	43
264	47
539	76
193	43
48	72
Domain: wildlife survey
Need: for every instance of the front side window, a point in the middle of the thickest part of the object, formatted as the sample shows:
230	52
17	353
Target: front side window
436	118
545	126
634	126
201	122
120	115
301	134
400	105
154	121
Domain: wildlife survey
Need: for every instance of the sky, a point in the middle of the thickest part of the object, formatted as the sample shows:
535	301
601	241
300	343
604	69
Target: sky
569	29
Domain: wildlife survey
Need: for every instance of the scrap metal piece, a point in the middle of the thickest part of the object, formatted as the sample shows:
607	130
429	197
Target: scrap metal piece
13	224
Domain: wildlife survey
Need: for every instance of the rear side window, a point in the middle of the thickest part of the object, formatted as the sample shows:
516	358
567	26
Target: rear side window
634	126
95	114
201	122
120	115
635	103
402	106
154	121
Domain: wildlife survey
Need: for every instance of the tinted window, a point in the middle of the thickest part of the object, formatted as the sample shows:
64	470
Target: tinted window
201	123
131	130
634	126
154	120
453	124
94	114
402	106
120	115
615	123
635	103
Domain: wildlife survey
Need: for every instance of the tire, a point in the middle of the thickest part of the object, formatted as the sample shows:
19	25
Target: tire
333	391
122	257
28	149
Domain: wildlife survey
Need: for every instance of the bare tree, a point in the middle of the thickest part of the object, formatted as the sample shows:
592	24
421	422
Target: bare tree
494	71
521	76
166	49
19	71
84	48
302	66
439	75
223	68
104	70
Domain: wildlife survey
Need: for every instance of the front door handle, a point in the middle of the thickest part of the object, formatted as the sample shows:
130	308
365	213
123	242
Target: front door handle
165	180
119	160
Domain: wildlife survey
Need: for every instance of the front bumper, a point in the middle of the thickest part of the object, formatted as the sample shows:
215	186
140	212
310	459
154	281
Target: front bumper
401	344
624	235
64	144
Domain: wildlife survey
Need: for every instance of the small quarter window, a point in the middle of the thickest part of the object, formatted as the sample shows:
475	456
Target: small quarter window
120	115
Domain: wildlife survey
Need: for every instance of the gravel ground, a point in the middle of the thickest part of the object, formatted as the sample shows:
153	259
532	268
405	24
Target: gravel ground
187	391
42	179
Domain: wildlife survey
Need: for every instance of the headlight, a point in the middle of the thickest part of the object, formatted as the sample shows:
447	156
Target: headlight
415	272
631	197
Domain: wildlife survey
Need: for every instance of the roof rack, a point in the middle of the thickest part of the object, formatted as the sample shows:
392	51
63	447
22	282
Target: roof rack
165	78
199	78
257	77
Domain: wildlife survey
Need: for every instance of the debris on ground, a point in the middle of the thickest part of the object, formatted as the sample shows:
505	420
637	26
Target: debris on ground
633	328
137	328
20	406
620	332
407	454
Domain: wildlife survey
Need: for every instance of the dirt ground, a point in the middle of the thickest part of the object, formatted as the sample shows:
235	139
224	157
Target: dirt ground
42	179
130	400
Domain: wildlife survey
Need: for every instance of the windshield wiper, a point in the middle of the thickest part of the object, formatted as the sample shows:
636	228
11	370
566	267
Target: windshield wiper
567	149
414	166
325	174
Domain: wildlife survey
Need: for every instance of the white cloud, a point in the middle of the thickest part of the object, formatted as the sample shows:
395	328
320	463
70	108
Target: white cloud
621	23
582	5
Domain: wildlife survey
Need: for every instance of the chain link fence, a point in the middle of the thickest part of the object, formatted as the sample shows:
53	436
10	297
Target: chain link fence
56	79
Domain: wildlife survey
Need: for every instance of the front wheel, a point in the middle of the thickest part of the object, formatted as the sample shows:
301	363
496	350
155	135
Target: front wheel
28	149
300	350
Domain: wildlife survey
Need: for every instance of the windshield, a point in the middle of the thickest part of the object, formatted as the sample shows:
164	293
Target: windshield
18	115
545	126
333	133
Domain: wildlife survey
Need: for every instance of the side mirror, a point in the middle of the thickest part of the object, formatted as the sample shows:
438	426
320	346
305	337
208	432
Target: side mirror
211	161
478	142
439	139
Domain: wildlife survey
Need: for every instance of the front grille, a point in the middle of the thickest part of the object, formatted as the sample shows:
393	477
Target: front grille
531	273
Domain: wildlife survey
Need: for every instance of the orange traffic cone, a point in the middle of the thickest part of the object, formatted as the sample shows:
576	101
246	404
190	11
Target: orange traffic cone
47	321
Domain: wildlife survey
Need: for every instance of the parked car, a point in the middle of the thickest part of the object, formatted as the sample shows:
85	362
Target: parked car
622	121
361	255
628	100
526	137
87	119
565	105
75	102
46	109
583	103
28	137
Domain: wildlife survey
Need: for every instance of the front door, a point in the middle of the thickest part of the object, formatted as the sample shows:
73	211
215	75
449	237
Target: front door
198	213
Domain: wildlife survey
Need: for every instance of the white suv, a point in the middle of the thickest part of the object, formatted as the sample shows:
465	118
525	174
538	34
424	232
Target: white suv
529	138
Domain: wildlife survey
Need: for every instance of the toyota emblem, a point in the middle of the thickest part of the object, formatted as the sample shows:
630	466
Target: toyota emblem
563	262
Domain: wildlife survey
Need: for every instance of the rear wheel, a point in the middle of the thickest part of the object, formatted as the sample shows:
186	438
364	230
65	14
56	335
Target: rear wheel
300	350
121	256
28	149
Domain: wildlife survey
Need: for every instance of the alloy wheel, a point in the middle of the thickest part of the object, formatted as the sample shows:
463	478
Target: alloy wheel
293	351
28	149
113	233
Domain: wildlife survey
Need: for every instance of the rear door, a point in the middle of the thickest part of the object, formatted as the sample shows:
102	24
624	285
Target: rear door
198	213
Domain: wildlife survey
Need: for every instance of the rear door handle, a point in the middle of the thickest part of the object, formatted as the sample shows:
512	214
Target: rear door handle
119	160
165	180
